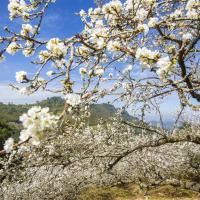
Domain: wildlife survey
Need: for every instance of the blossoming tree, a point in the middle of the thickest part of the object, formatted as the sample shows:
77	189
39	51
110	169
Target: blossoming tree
135	52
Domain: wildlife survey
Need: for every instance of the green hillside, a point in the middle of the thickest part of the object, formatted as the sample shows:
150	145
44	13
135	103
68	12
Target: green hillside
7	130
105	111
9	114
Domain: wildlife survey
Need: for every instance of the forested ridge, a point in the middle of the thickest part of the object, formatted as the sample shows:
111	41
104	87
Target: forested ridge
11	126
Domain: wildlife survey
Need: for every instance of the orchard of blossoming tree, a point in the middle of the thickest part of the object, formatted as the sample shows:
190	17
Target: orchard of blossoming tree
137	54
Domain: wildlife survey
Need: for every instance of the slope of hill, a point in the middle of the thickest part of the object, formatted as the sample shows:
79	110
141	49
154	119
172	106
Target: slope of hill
7	130
9	114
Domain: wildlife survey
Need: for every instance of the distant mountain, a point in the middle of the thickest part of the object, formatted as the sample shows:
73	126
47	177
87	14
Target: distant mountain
9	114
97	111
167	124
7	130
105	111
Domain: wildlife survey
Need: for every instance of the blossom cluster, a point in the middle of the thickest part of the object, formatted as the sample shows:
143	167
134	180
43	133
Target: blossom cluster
23	9
36	123
150	59
73	99
165	66
18	8
147	57
13	48
56	47
8	146
27	29
192	8
21	76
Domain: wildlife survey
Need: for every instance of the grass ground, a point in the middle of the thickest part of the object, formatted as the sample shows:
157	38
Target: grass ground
133	192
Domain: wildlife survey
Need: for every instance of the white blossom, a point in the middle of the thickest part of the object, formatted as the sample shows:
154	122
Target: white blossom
165	66
28	52
192	8
177	13
8	145
100	42
191	4
56	47
17	7
143	28
25	90
83	50
152	22
127	69
146	56
99	71
26	29
21	76
60	64
113	45
36	122
110	75
82	13
187	36
73	99
44	55
141	14
112	7
13	48
1	40
129	5
192	14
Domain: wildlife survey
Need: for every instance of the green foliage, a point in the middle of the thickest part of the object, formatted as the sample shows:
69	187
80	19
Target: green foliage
55	104
105	111
6	130
11	112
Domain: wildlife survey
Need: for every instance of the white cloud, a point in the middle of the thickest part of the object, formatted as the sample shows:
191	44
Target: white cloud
7	95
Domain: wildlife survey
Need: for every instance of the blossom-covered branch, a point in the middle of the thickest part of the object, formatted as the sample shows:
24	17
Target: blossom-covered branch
133	51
